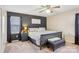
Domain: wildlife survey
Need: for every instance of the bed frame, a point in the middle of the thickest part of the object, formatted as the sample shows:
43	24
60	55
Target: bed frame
44	38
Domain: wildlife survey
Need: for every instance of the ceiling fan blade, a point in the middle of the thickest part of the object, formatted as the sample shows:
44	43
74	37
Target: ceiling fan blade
42	10
38	9
56	7
44	6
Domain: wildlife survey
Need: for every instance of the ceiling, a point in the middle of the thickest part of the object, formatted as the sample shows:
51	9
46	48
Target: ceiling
31	9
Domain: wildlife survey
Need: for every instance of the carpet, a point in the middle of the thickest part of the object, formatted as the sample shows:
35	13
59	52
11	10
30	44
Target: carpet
28	47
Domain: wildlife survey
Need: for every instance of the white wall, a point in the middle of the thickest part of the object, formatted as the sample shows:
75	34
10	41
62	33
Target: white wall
3	29
0	30
64	22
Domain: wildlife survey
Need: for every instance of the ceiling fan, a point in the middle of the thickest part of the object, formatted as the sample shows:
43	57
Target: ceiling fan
47	8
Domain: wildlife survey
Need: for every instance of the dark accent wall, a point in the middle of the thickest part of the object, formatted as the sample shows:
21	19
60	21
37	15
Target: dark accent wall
25	20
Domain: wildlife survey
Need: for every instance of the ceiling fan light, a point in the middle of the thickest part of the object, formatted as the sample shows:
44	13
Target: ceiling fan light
48	11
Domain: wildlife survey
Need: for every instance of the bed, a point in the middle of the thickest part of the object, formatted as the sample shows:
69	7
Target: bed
40	36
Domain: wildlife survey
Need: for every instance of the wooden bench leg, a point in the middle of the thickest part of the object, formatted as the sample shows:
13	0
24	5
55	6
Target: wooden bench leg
53	49
40	47
9	41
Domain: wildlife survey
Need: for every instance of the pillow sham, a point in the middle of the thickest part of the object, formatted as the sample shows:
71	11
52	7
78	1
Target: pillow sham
41	29
33	29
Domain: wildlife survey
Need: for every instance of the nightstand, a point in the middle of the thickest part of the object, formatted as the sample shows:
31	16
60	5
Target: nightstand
24	36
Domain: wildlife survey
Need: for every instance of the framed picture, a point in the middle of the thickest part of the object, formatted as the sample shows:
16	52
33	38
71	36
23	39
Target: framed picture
36	21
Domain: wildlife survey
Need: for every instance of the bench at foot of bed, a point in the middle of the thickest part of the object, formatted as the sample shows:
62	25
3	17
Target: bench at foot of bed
56	44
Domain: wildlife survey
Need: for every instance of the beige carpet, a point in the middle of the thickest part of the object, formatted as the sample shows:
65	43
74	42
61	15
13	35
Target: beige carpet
28	47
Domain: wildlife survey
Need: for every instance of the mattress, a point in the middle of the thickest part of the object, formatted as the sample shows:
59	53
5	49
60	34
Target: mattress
36	35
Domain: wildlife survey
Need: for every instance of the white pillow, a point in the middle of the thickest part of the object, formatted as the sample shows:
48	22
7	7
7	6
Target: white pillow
41	29
33	29
54	39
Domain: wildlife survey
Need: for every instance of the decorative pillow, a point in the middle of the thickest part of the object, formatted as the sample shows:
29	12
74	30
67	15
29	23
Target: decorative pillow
33	29
41	29
54	39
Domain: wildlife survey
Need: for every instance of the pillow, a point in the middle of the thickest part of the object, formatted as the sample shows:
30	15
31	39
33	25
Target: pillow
33	29
54	39
41	29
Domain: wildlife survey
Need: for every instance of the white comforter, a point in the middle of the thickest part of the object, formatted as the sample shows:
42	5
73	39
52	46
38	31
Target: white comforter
36	35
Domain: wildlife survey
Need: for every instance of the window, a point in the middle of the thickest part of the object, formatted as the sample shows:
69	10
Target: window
15	24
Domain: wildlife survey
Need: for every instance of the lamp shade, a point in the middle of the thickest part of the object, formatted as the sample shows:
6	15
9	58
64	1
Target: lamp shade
25	29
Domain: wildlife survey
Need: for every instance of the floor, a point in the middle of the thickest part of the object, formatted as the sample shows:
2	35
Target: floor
28	47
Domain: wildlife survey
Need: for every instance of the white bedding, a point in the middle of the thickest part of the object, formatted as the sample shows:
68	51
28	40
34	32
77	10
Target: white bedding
36	35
